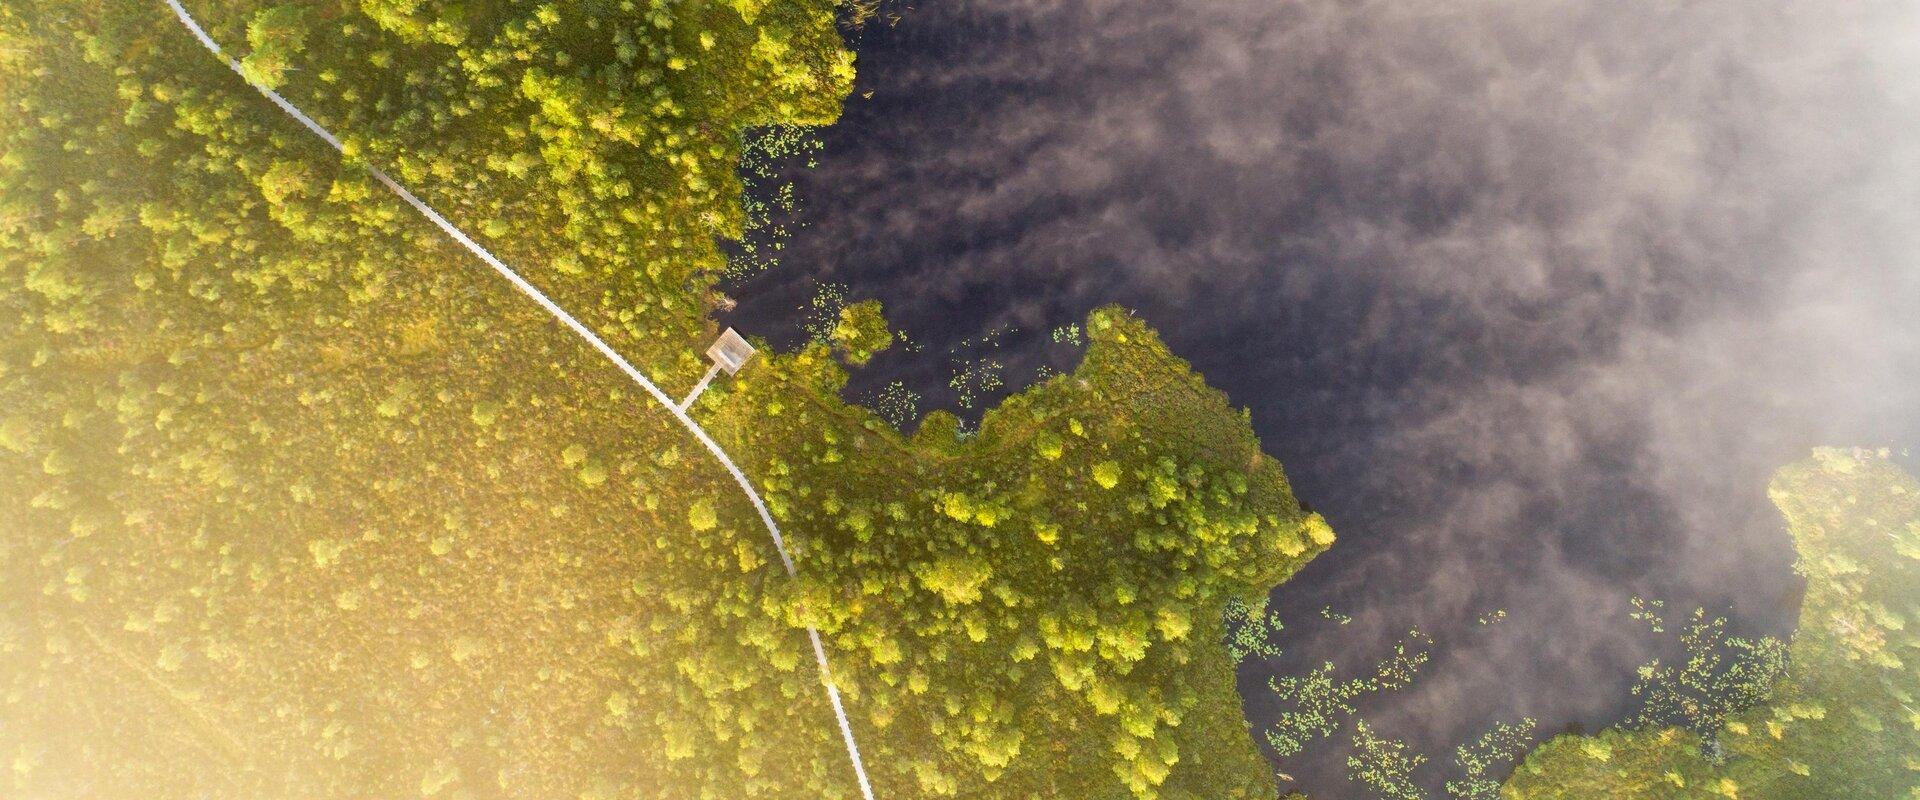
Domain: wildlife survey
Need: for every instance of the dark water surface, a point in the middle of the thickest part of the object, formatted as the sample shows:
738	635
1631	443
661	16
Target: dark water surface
1530	298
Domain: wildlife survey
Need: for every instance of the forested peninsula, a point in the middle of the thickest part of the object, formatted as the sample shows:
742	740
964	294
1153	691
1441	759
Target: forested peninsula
301	500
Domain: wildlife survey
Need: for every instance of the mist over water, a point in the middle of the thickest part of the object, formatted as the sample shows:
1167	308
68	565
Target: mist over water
1529	297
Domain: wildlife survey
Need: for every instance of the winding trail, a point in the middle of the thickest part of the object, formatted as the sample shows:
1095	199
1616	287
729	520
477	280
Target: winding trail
581	330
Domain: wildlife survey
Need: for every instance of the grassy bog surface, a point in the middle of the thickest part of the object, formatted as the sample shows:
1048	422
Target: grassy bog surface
300	500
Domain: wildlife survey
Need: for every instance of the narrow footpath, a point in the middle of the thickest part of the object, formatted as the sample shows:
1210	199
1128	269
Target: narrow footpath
581	330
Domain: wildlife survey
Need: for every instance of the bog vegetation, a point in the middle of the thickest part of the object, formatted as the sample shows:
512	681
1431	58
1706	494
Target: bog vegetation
1837	718
297	500
300	501
1831	715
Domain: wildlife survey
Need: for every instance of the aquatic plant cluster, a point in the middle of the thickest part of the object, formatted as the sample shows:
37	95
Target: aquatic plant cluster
1317	703
768	201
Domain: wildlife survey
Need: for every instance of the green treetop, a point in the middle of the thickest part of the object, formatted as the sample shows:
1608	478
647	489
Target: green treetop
861	331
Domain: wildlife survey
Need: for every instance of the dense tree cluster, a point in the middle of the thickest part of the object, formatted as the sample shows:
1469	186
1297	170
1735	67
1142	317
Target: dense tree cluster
300	501
1036	608
861	332
1842	722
